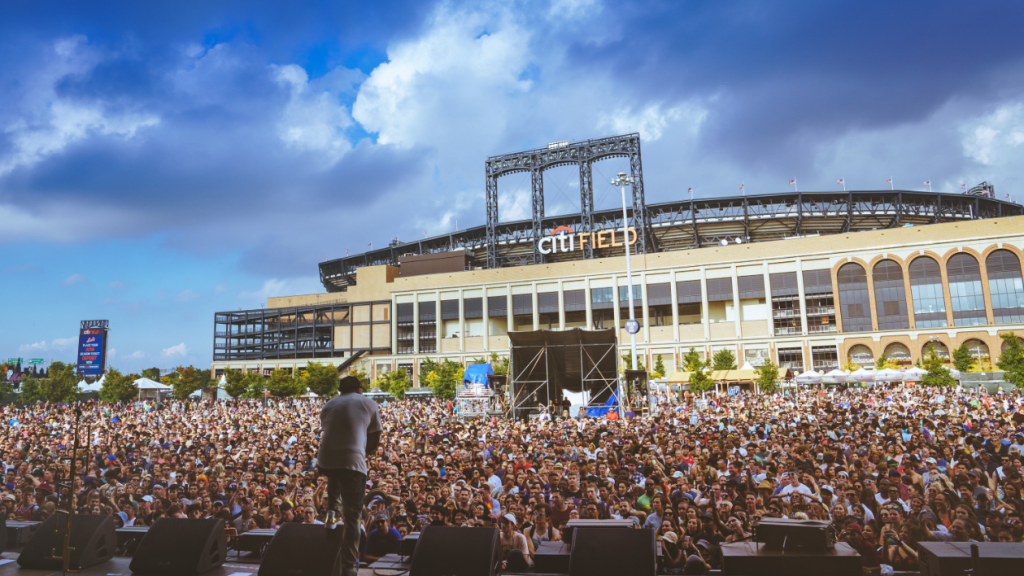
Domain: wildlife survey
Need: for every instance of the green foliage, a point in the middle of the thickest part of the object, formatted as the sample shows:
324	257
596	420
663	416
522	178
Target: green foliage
118	387
5	389
723	360
322	379
184	381
395	382
691	360
281	384
767	377
255	385
880	363
30	391
500	365
442	378
361	373
938	375
1011	360
627	362
699	380
61	386
659	367
962	359
235	383
152	373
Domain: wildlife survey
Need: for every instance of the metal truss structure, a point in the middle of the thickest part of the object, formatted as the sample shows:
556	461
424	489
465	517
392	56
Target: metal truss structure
300	332
86	324
688	224
582	154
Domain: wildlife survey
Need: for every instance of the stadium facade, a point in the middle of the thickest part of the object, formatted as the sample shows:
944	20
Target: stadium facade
809	280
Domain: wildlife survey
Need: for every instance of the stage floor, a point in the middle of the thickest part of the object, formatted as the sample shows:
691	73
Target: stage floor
119	567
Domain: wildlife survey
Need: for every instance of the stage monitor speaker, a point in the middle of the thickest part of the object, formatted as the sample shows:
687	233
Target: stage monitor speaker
93	538
753	559
302	550
613	552
954	558
179	546
454	551
496	382
3	534
811	536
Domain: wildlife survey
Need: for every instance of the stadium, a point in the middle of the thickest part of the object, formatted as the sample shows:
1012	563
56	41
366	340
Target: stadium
806	279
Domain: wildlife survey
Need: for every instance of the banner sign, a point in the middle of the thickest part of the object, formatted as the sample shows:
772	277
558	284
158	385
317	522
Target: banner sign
565	239
90	351
35	360
14	360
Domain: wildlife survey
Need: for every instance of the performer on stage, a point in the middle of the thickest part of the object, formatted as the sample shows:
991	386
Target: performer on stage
351	429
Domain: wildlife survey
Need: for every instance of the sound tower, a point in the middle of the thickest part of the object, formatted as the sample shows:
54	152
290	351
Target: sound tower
302	550
454	551
93	539
181	547
613	552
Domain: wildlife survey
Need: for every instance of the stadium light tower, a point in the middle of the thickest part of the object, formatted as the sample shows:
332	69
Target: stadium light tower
621	181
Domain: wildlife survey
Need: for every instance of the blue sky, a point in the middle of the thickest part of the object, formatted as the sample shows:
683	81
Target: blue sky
163	161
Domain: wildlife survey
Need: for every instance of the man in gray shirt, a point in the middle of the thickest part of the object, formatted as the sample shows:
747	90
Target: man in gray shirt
350	428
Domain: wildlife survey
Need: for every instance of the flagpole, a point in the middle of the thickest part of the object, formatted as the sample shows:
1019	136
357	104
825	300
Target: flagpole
796	187
891	185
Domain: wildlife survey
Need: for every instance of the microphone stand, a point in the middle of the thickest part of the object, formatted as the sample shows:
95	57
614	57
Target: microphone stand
63	522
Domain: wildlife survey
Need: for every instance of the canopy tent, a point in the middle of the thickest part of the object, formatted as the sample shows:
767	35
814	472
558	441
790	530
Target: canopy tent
888	375
835	376
863	375
679	378
914	374
147	384
746	366
734	375
809	377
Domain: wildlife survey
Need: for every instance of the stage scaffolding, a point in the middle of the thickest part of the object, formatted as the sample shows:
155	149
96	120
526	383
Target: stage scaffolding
544	363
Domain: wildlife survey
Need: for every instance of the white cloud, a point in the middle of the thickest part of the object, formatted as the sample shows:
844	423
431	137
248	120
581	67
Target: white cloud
995	139
74	279
314	118
284	287
136	355
65	222
570	9
176	350
55	345
118	285
112	352
187	295
652	120
47	123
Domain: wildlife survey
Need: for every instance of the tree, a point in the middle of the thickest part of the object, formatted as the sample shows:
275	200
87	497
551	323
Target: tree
184	381
880	363
767	377
500	365
255	386
61	386
283	385
30	391
659	367
1011	360
627	362
962	359
361	374
699	379
938	375
152	373
118	387
723	360
6	387
444	378
235	383
322	379
691	358
395	382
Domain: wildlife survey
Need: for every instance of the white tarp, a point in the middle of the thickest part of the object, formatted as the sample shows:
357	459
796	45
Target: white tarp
147	384
808	377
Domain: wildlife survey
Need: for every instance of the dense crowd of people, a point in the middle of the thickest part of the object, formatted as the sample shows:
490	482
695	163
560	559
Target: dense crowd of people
888	468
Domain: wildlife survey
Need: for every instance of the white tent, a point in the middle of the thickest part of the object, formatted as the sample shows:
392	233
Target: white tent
808	377
147	384
747	366
835	376
914	374
888	375
863	375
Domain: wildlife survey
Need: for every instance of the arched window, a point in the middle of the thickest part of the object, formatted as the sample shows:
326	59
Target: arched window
898	353
926	290
890	296
1005	344
978	349
1005	287
861	356
940	350
965	290
854	305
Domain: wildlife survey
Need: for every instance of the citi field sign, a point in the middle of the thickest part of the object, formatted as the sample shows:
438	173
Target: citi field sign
565	239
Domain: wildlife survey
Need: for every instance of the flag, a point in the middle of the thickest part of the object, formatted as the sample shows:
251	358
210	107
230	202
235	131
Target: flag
370	245
840	181
963	186
346	252
927	182
689	190
1007	196
889	181
741	186
791	182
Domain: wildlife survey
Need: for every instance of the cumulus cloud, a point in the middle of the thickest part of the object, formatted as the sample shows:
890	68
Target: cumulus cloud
136	355
55	345
997	137
176	350
187	295
283	287
74	279
314	118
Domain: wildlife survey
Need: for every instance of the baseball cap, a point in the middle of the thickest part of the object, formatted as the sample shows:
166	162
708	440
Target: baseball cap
510	518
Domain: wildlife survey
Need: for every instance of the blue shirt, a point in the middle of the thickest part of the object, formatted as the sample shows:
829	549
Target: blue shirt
378	544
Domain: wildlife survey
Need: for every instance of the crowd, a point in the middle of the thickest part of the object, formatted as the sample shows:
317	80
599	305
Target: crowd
887	468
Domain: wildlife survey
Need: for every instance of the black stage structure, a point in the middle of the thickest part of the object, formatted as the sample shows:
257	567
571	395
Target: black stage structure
542	363
666	226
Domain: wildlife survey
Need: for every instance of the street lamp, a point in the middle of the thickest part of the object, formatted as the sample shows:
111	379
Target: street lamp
632	327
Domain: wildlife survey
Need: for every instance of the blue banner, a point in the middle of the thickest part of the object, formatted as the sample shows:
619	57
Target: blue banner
90	352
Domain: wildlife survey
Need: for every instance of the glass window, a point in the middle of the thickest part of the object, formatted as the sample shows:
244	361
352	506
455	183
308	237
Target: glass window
890	296
824	358
601	298
926	291
854	305
940	349
965	290
1005	287
978	349
792	358
861	356
897	353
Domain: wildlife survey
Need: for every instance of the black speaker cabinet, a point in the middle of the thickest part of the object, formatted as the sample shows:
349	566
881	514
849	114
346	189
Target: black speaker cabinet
302	550
181	547
572	525
613	552
953	558
93	538
813	536
754	559
453	551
